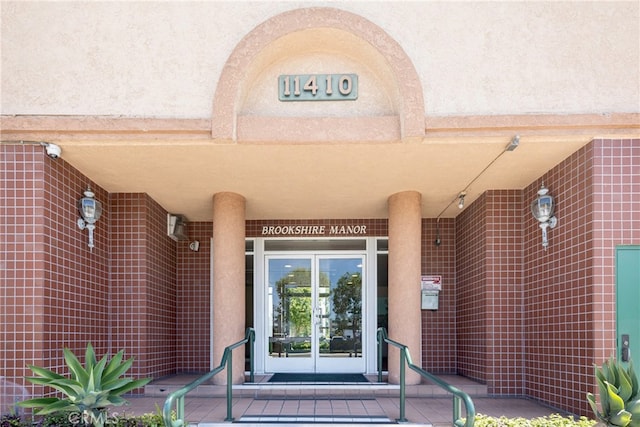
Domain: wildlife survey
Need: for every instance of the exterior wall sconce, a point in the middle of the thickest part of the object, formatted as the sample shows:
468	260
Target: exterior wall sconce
542	209
90	210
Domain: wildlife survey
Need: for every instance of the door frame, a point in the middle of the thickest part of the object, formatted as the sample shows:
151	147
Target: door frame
627	295
369	297
314	361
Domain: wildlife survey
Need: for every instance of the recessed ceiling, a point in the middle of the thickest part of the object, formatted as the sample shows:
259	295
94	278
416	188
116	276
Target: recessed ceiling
313	181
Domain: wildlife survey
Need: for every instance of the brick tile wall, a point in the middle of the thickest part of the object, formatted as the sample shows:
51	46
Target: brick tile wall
439	326
55	290
570	287
77	277
616	218
57	293
193	300
143	284
22	255
558	294
488	253
471	290
504	321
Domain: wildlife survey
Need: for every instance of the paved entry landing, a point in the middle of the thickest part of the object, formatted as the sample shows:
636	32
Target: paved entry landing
318	399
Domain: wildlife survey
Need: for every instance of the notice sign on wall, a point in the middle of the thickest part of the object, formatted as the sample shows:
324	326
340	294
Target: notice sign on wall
318	87
431	283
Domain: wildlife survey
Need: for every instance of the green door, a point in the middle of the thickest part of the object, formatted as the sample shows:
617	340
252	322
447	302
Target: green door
628	302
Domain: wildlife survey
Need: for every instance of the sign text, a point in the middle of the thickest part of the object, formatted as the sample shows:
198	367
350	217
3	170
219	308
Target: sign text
293	230
318	87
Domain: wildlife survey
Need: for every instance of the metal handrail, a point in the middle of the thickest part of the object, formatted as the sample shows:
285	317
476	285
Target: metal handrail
176	399
459	396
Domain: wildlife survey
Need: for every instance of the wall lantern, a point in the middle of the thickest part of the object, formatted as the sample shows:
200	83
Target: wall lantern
542	209
90	210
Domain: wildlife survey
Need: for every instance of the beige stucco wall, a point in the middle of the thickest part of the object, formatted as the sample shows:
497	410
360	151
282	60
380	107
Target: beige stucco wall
163	59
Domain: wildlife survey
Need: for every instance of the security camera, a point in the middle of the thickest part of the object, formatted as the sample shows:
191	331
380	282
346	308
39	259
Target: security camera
53	150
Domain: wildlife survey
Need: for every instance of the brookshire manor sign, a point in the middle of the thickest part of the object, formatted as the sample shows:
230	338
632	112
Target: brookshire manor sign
322	230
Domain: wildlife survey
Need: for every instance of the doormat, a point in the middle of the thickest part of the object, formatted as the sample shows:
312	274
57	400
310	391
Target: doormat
317	378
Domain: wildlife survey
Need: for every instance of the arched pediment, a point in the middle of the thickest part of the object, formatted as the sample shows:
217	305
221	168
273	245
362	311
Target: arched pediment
389	106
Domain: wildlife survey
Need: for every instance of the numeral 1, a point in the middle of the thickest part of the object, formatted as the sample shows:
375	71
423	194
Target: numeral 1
287	86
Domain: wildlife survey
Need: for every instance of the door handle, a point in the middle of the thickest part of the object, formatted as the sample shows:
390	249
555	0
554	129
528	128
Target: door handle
625	348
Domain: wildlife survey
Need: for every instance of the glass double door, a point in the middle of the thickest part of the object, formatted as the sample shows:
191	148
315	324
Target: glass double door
315	313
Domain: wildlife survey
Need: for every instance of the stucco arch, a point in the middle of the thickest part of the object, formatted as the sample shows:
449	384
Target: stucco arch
405	123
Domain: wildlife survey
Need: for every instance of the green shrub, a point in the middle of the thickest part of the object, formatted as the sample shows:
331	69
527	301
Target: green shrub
619	395
152	420
70	419
89	390
144	420
61	419
554	420
11	420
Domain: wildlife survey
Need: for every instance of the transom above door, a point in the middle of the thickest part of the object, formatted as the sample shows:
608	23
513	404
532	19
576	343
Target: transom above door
314	313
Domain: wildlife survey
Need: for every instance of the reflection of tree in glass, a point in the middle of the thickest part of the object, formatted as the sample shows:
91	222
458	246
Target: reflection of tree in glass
294	308
299	314
347	303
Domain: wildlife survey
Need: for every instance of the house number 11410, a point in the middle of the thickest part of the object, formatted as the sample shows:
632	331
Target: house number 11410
318	87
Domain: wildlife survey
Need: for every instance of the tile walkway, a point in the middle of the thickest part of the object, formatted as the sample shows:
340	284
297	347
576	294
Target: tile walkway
436	411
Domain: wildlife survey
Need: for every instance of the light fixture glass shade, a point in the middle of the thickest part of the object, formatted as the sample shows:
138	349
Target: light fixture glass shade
542	208
90	209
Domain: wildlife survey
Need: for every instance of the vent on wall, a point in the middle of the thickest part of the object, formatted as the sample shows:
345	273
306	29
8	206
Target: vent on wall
177	227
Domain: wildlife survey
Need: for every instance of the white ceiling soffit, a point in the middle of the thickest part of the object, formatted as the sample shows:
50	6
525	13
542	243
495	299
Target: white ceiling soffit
313	181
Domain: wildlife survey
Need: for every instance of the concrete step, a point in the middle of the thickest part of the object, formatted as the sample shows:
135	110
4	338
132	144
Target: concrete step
307	422
314	391
280	391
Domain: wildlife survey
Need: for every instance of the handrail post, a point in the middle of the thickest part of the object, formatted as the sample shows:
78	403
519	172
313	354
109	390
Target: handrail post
460	396
177	397
379	338
403	359
180	410
229	386
252	340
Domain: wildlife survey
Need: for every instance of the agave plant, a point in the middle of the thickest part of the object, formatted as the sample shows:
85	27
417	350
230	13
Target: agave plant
619	395
89	390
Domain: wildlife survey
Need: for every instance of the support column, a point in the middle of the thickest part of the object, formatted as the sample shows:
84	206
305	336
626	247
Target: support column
405	317
228	280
